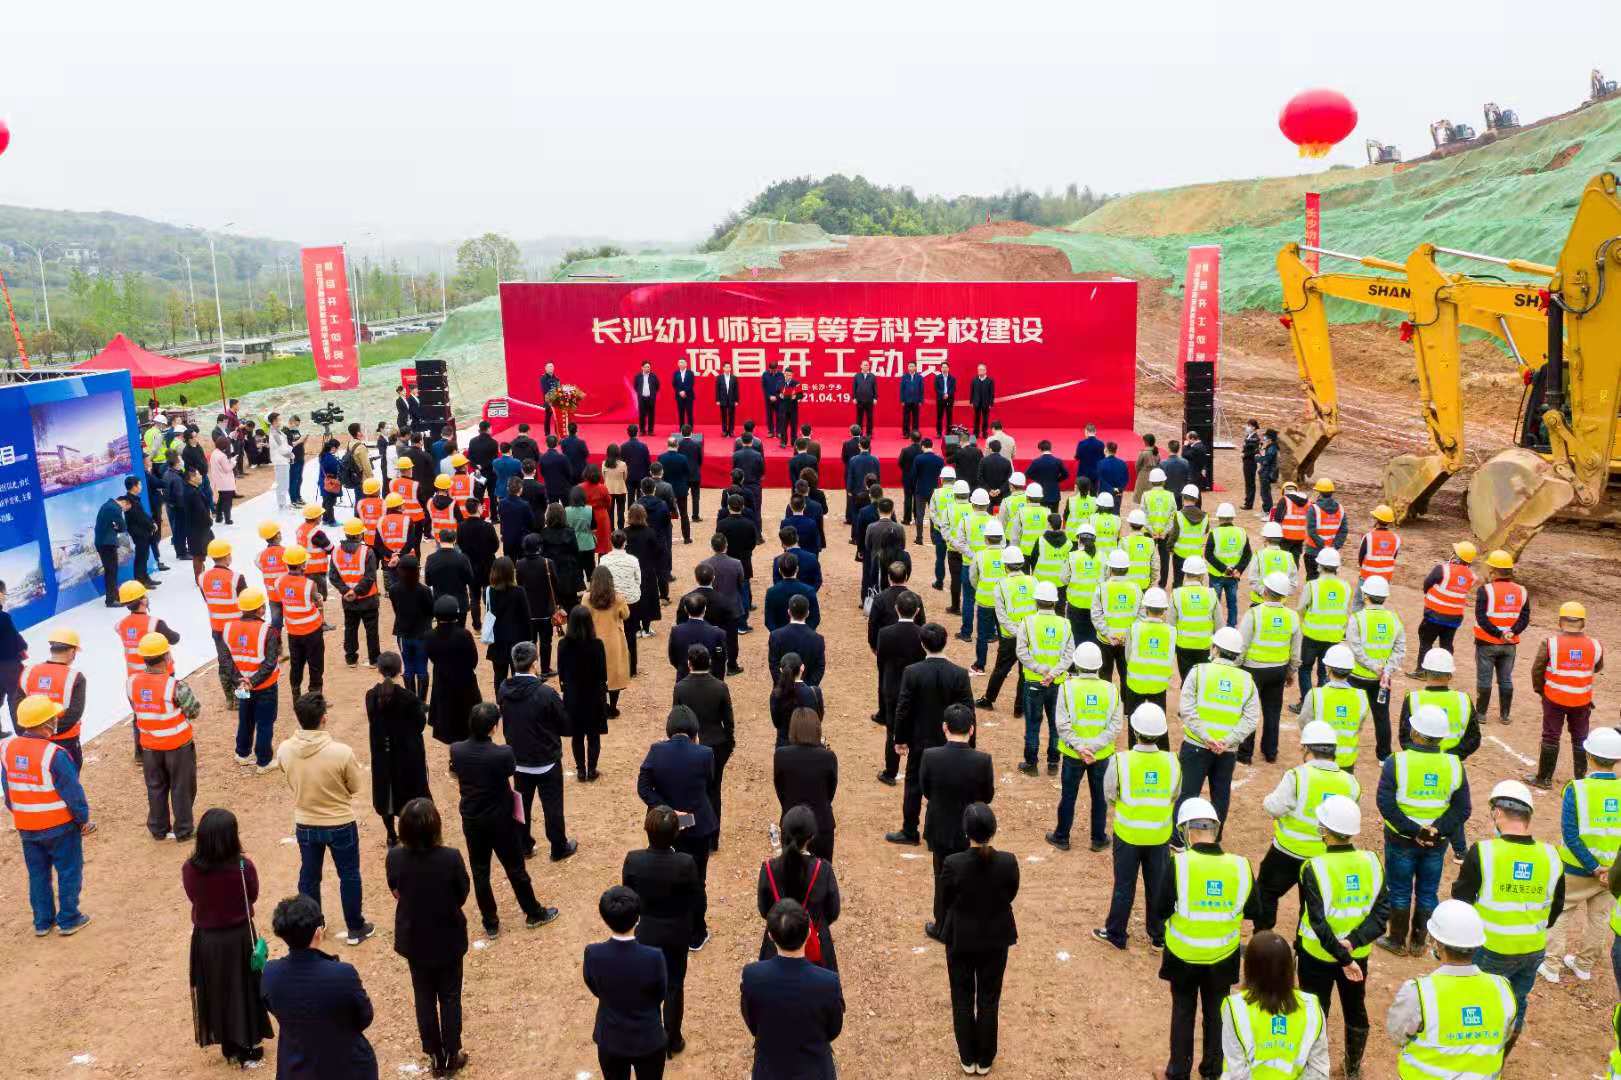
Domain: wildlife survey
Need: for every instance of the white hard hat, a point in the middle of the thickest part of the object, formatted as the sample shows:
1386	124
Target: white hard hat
1193	565
1105	498
1016	479
1339	657
1437	662
1376	587
992	527
1119	560
1604	742
1149	719
1032	490
1156	599
1228	640
1318	733
1457	925
980	497
1277	582
1225	510
1340	815
1011	554
1088	657
1156	476
1513	791
1196	809
1328	557
1137	518
1087	529
1431	722
948	473
1046	592
1190	491
1272	531
159	418
960	487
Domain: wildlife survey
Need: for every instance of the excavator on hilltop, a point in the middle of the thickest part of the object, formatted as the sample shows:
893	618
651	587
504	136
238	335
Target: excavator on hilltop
1381	153
1600	87
1499	118
1444	133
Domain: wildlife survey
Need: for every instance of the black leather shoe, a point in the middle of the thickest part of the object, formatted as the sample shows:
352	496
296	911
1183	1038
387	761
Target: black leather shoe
900	837
559	856
885	778
1029	768
1061	845
931	931
545	915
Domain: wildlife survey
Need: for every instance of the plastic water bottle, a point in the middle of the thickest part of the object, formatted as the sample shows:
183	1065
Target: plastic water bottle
1384	694
775	834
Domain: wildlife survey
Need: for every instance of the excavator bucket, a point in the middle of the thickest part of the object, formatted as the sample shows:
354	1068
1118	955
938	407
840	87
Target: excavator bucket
1410	480
1298	448
1512	496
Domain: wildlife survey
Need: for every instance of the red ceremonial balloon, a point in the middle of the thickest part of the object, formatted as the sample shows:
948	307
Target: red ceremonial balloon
1315	120
5	136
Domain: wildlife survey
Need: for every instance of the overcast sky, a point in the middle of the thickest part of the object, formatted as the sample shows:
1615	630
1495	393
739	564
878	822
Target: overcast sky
651	121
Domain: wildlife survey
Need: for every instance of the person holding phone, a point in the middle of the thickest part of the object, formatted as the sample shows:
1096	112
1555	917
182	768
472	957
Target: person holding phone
676	773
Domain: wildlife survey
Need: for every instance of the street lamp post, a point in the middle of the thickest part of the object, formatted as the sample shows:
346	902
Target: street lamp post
444	306
287	272
219	309
45	292
191	290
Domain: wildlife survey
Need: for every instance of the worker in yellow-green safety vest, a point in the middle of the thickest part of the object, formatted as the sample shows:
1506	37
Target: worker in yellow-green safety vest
155	444
1325	608
941	513
1457	1020
1141	784
1048	557
1423	796
1026	525
1158	505
1270	1030
1378	644
1339	704
1292	805
1089	722
1007	511
1106	523
1142	550
1589	836
1045	646
1272	558
1219	708
1193	613
984	569
1209	894
1271	634
1517	883
1079	506
1013	600
968	540
1150	652
1083	571
1463	724
1189	528
1227	555
1115	604
1343	906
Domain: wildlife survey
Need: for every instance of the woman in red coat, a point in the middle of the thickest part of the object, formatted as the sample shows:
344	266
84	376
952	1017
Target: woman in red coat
598	498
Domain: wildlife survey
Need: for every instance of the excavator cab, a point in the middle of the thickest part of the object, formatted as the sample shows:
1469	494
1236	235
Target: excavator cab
1381	154
1445	133
1600	86
1500	119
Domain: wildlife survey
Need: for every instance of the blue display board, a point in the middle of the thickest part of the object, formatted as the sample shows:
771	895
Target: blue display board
66	446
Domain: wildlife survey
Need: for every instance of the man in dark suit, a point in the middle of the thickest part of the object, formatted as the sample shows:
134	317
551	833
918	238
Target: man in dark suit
905	459
1198	458
927	689
995	471
771	382
966	459
864	391
692	448
810	567
685	386
750	457
678	474
710	700
555	472
885	605
862	463
792	1007
898	646
647	397
945	399
802	459
1088	452
677	773
847	450
716	610
726	396
799	638
982	395
534	493
637	458
404	415
788	410
926	468
524	448
630	981
730	577
952	776
911	400
320	1006
812	446
1048	471
548	382
576	451
666	882
783	590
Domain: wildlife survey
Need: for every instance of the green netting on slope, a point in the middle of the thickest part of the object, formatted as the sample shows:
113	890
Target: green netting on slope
474	324
760	242
1505	199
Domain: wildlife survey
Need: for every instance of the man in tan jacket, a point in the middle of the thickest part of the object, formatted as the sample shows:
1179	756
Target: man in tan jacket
325	777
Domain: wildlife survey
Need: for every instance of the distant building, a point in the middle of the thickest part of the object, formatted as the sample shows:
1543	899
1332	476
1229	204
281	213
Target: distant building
8	253
80	253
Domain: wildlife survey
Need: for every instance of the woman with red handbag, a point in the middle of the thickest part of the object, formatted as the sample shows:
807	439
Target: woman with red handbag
797	874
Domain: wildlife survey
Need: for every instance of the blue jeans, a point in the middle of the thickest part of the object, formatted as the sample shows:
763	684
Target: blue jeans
256	721
413	655
344	843
939	556
1410	869
1227	592
970	607
1037	700
62	849
1069	785
986	633
747	599
1520	971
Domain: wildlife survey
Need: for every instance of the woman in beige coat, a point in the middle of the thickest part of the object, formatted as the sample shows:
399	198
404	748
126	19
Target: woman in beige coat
609	613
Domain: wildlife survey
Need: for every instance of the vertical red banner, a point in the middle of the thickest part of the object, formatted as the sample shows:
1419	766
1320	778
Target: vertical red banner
1314	227
332	327
1201	311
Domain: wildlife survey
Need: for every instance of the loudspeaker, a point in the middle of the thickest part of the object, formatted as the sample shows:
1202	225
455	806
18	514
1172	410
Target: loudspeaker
1199	401
430	367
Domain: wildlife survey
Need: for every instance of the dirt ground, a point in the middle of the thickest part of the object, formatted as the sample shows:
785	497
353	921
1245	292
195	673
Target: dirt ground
114	999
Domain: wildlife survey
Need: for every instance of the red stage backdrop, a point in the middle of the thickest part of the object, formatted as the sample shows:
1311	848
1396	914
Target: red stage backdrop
332	327
1062	353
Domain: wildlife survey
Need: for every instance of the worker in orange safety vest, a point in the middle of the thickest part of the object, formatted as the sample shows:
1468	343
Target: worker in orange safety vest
1502	612
405	485
314	540
1290	514
1446	595
48	809
1377	553
1325	525
164	708
221	585
135	626
251	648
303	622
393	532
354	575
369	508
55	679
1563	674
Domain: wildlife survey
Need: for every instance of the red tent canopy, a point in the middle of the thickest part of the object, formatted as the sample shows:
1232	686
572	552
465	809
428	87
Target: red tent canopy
147	370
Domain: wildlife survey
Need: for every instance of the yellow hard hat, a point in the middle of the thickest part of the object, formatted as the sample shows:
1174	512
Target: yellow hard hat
458	460
1325	485
441	482
130	591
1465	550
268	529
251	600
295	555
405	464
63	635
1500	560
151	645
394	499
372	485
353	527
1384	513
312	512
1571	609
36	709
219	549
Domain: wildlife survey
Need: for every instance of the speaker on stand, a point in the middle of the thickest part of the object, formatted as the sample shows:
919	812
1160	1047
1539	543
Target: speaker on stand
1199	402
433	391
